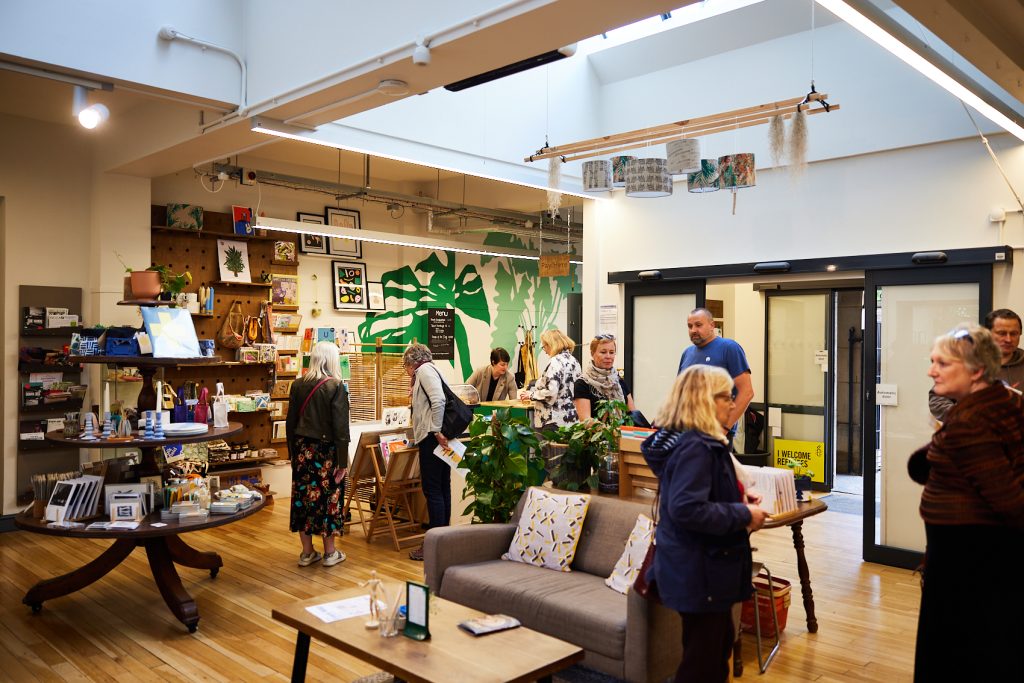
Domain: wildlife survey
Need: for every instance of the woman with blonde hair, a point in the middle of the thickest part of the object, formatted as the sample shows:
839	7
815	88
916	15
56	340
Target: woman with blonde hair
553	392
317	434
703	564
973	512
600	380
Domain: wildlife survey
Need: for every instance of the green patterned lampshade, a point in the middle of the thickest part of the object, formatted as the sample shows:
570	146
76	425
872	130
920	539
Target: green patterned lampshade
648	178
597	176
619	170
704	180
736	171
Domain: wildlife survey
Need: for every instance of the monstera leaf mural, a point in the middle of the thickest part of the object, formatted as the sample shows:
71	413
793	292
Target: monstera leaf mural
433	284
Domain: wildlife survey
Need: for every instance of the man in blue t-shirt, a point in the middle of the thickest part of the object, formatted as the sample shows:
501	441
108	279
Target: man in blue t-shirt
710	349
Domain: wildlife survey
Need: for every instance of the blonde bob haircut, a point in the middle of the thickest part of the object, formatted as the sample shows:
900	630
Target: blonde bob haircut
691	403
975	347
323	362
556	341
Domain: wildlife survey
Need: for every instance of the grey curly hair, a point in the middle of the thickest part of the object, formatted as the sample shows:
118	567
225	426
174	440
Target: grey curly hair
416	354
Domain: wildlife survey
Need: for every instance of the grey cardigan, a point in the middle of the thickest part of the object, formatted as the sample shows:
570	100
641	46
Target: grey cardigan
505	389
427	402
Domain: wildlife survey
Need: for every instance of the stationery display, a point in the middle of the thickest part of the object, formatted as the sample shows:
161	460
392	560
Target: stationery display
776	486
75	498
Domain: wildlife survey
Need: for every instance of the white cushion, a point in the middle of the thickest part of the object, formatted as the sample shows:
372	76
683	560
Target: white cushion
549	530
628	566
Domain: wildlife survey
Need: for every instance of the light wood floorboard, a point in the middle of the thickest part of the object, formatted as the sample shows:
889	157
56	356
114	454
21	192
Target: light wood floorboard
119	629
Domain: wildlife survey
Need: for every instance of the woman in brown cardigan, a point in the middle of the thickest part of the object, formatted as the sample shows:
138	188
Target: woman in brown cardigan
972	601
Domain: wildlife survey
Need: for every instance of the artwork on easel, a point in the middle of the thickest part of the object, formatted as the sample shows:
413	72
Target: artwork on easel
233	258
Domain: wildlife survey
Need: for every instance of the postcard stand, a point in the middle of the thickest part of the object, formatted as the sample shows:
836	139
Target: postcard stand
401	483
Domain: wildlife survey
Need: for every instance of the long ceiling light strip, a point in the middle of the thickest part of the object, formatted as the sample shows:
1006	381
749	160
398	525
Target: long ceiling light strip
374	237
261	124
884	38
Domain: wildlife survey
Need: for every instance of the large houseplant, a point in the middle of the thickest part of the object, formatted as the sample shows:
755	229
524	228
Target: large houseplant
587	444
502	460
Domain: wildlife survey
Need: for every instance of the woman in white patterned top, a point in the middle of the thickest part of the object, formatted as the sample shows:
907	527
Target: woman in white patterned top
553	392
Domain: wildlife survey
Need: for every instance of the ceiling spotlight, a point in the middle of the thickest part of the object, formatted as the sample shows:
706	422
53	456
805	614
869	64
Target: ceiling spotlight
421	53
88	115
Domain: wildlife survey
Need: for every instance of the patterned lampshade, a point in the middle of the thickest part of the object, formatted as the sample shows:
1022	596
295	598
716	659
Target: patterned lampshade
619	170
683	156
736	170
597	176
648	178
704	180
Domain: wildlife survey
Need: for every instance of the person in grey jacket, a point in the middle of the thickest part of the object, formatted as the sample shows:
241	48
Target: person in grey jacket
428	403
317	434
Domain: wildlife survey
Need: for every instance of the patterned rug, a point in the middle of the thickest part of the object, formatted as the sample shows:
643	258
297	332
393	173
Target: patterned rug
847	504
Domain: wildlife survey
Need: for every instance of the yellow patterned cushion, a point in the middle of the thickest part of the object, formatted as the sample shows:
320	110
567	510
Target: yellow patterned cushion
549	530
628	566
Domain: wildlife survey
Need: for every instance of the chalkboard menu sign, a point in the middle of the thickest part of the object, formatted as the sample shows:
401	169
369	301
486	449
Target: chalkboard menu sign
441	333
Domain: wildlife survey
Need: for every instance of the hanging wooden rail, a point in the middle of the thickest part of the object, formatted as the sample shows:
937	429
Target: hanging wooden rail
687	128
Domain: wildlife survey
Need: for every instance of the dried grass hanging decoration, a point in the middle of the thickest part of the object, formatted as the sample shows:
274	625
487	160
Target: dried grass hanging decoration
798	143
554	181
777	140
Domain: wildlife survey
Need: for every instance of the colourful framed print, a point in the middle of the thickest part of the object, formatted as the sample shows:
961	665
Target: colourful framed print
349	285
349	219
284	291
241	218
284	252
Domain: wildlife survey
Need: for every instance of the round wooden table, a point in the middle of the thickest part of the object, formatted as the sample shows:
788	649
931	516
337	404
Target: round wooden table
163	547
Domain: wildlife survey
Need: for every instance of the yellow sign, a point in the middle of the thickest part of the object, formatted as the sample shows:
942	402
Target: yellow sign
554	265
810	455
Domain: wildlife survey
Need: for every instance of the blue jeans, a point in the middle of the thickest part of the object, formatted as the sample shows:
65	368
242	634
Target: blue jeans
437	483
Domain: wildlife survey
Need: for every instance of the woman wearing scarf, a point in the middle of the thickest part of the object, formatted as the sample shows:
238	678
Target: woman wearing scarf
600	381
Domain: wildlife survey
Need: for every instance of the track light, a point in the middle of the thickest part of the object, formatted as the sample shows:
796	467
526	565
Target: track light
88	115
421	53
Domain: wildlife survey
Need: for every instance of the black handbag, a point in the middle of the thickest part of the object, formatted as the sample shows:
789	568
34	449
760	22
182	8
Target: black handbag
457	415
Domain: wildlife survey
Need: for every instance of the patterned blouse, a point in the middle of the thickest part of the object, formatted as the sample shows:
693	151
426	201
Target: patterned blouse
554	391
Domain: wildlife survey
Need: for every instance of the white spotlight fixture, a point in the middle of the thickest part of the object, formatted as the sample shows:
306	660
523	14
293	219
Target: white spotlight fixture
421	53
88	115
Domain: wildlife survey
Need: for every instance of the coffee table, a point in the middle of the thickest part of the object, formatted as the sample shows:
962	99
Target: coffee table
450	656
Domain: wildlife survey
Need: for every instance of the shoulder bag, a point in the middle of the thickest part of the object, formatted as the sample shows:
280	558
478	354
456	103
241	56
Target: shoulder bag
644	587
457	415
229	335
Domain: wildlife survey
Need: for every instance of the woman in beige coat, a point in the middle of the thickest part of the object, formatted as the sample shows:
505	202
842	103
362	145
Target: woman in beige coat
495	382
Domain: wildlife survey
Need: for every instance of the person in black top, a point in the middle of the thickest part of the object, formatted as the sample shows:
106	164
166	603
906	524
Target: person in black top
600	380
495	382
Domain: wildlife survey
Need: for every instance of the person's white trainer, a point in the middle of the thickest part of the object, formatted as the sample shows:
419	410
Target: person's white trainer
331	559
306	560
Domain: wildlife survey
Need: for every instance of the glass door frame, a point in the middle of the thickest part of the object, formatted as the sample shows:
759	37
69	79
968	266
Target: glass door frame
696	287
873	279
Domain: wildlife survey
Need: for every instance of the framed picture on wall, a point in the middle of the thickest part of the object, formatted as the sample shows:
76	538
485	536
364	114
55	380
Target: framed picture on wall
375	296
309	243
284	292
348	281
344	218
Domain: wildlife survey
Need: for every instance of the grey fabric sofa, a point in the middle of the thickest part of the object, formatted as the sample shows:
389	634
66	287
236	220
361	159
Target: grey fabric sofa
623	635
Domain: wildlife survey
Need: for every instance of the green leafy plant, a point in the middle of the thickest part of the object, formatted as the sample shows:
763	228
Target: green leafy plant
171	282
233	260
502	460
586	444
799	471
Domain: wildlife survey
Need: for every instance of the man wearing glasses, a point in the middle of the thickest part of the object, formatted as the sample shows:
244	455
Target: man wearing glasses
710	349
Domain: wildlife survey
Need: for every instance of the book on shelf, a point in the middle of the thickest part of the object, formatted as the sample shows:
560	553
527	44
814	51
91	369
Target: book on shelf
489	623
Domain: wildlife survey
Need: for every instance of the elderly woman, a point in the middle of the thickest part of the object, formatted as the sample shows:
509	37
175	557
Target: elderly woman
317	435
495	382
973	511
428	403
600	381
553	391
703	564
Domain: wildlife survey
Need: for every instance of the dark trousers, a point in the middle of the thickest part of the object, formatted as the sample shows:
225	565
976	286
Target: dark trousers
437	483
707	645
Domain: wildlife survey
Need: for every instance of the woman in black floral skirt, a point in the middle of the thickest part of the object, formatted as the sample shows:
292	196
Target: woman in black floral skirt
317	430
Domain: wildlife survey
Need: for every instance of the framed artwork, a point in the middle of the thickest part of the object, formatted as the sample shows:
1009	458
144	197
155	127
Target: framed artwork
375	296
233	258
284	251
284	291
349	285
311	244
344	218
241	218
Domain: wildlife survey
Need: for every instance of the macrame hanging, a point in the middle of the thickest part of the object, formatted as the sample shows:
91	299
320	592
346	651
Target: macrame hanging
777	140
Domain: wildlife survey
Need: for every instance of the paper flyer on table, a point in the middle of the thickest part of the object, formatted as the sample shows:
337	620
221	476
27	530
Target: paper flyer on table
341	609
453	454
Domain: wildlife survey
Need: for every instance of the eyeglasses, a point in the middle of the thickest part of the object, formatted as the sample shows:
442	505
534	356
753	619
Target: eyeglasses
725	397
605	337
959	335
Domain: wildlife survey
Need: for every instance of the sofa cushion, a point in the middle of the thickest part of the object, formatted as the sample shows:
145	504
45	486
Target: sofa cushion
605	532
575	607
628	566
549	530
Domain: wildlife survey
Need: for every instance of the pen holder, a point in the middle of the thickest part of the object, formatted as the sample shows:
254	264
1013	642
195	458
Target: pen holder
389	626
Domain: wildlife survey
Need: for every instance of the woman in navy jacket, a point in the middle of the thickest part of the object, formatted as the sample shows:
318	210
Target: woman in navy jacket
702	566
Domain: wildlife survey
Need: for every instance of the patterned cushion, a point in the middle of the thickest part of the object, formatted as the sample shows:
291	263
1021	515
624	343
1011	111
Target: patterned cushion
628	566
548	530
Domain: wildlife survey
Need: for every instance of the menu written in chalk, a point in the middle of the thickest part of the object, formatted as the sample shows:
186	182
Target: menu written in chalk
441	333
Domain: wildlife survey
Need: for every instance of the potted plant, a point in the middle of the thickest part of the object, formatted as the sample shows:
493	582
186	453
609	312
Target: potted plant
502	460
171	284
590	448
141	284
801	477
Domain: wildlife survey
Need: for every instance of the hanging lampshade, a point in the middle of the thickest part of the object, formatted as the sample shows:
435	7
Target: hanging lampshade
736	171
704	180
648	178
597	176
683	156
619	170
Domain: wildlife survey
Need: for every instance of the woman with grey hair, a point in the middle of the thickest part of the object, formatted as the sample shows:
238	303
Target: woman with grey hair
318	436
973	512
428	403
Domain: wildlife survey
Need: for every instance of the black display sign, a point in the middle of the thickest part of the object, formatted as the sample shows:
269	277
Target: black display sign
441	333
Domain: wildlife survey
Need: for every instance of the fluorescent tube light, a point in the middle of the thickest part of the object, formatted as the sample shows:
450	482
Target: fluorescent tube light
290	131
375	237
876	33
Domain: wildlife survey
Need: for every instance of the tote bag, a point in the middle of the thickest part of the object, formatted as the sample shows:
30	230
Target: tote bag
230	336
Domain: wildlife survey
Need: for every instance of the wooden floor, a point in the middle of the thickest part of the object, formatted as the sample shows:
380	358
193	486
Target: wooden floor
119	629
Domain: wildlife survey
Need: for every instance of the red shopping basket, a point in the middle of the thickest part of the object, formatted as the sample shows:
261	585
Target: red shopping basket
781	589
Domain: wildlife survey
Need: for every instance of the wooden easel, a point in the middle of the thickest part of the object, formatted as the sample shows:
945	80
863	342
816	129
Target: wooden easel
401	483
